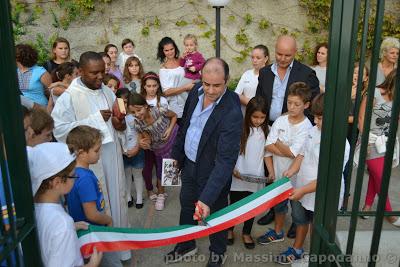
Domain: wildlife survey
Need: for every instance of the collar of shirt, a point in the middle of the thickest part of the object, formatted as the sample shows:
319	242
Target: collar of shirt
201	96
274	68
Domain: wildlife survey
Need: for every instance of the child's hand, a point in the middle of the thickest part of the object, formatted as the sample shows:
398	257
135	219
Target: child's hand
132	152
296	194
166	134
144	143
271	177
288	173
81	225
192	69
95	259
236	174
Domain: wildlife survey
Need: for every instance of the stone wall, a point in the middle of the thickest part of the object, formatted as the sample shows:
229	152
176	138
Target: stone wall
112	22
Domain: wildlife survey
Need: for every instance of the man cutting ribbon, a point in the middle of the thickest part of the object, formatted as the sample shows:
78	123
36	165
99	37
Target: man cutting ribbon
206	149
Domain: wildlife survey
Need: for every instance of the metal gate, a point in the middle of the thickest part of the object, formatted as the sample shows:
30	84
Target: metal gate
19	244
343	45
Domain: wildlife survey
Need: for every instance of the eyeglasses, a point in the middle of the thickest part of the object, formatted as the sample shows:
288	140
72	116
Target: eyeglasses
71	176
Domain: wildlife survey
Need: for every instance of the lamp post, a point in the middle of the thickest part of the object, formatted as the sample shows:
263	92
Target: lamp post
218	4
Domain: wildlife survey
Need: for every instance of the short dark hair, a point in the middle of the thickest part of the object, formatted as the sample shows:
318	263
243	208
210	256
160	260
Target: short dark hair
317	107
301	90
127	41
83	137
122	91
160	51
223	63
88	56
26	55
41	120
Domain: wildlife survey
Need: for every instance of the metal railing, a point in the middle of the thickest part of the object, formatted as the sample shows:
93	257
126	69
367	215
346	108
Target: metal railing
342	51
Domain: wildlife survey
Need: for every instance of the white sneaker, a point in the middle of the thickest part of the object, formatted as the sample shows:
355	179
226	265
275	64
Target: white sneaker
397	222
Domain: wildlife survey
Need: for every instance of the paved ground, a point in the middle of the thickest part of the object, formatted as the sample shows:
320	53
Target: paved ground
238	255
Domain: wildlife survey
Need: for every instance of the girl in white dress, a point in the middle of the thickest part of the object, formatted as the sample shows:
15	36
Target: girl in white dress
249	175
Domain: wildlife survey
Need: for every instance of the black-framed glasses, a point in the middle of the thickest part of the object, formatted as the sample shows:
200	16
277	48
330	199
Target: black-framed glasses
71	176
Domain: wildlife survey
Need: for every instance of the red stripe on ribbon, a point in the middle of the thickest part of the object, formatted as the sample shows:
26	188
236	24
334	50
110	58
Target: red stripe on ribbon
105	246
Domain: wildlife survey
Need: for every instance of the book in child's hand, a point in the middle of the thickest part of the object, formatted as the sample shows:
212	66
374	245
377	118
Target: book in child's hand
119	110
171	175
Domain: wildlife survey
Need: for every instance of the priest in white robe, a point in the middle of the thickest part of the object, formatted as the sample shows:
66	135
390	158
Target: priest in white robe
88	102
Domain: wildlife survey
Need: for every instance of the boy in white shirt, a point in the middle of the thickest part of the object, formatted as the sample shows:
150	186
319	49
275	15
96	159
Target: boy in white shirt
302	198
283	143
51	166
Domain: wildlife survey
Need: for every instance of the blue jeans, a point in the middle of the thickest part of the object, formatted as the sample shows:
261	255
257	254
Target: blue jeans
300	215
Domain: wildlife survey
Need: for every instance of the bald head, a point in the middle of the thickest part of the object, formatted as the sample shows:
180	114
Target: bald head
217	66
285	51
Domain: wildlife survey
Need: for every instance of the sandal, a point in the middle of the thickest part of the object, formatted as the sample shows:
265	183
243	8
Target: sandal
248	245
160	202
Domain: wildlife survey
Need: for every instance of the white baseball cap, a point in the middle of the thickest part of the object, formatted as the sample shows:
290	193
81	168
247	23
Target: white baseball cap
46	160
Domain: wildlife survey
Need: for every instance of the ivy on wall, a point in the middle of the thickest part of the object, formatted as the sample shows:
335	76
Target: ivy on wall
318	11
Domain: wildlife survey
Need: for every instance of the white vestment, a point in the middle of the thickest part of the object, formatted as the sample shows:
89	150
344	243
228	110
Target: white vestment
79	105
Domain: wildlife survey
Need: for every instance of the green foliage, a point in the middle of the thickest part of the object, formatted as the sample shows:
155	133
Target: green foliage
22	16
242	38
232	84
181	23
43	47
208	34
145	31
231	18
157	22
243	55
115	28
248	19
263	24
200	21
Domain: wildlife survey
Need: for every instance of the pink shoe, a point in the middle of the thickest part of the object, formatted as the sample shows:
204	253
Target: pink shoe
160	202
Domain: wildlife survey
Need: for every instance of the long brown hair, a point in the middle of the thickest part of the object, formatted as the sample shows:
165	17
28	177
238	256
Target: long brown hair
257	103
389	84
151	76
127	75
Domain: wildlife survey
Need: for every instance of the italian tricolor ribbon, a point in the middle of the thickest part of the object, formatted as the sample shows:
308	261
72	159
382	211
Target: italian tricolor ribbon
119	239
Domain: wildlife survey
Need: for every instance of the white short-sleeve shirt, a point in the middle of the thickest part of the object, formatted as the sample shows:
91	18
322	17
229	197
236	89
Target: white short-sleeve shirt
292	135
153	102
247	85
309	167
57	236
252	162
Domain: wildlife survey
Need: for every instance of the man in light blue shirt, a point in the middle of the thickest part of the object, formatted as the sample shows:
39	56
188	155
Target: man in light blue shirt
278	91
197	123
206	149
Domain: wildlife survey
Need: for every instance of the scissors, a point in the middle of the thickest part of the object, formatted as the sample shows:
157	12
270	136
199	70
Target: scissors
200	218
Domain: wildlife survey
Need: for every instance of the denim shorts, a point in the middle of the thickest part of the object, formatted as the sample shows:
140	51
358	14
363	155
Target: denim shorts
136	162
282	207
300	215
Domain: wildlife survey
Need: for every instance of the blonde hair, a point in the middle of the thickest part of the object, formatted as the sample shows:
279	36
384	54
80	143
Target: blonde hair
388	43
190	37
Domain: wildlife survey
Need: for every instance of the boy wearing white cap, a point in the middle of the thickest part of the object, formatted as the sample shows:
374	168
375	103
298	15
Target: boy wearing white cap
51	167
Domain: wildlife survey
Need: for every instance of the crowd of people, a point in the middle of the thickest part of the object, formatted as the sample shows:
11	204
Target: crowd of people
96	126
